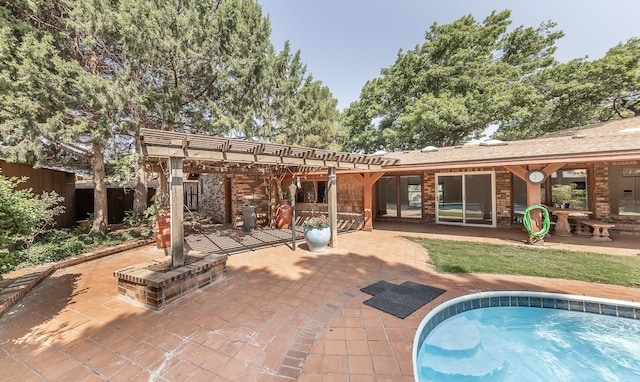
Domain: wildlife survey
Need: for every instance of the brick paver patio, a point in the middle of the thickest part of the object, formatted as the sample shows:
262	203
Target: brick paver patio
279	315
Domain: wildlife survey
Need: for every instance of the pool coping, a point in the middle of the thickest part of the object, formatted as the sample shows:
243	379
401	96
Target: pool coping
579	303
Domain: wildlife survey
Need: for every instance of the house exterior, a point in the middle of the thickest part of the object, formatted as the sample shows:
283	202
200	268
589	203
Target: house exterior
594	168
222	198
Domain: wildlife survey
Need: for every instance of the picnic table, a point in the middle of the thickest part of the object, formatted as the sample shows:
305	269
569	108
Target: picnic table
563	228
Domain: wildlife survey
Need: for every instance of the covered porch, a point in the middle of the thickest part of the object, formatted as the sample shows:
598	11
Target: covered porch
174	154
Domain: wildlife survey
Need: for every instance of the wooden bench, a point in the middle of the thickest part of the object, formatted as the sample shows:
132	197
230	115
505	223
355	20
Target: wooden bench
600	229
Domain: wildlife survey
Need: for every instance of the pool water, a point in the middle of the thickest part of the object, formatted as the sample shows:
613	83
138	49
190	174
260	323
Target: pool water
531	344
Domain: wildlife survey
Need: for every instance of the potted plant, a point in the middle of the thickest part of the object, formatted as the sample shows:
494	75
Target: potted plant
317	232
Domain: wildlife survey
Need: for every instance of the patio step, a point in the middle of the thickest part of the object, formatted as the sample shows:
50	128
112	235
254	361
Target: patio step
22	285
17	288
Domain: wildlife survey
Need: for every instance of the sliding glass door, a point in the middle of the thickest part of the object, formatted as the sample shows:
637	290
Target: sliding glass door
399	196
466	199
450	205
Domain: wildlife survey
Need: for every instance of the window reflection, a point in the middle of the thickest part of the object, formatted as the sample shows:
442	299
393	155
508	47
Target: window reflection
569	189
624	186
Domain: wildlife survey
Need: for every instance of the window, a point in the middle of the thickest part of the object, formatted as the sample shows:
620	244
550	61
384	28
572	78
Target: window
569	189
624	186
312	192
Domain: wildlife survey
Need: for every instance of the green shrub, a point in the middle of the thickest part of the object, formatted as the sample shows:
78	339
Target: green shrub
9	260
59	244
23	215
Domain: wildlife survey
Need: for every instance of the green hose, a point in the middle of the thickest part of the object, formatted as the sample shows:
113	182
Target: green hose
546	222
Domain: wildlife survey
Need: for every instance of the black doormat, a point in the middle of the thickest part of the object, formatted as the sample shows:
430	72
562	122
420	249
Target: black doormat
400	300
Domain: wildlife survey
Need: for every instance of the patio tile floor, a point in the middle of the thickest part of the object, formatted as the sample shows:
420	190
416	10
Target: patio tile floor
279	315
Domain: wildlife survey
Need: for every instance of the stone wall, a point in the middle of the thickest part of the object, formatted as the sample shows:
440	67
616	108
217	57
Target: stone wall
212	197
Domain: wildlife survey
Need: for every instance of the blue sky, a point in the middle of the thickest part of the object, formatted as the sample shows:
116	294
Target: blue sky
345	43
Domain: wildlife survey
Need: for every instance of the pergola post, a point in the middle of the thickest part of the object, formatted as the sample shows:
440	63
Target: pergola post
333	207
533	194
163	184
176	201
367	180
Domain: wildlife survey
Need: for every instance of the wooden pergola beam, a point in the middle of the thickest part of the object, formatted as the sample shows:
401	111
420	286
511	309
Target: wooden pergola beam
156	151
165	144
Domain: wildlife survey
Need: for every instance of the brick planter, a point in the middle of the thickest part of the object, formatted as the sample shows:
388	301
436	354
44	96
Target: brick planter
156	290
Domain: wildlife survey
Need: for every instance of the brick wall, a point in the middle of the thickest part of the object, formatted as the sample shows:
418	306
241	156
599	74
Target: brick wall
250	190
156	290
503	197
429	189
601	196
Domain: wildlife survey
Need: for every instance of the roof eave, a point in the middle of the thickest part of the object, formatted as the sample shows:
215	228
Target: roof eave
587	157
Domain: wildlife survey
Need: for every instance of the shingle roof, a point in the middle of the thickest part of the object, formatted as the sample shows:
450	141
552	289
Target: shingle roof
615	140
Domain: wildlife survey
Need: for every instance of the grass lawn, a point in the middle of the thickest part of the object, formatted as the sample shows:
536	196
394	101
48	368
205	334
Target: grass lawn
450	256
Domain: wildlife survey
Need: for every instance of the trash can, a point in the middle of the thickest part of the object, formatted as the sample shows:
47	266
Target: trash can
249	217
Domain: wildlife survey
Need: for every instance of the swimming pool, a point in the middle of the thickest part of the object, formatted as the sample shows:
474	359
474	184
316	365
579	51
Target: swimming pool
529	336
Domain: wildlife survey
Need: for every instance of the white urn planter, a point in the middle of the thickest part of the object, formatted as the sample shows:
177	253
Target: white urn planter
317	238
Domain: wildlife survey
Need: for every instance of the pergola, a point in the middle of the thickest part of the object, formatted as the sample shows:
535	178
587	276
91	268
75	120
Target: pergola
208	154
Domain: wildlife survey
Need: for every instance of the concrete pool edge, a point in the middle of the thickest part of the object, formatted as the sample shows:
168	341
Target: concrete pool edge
581	303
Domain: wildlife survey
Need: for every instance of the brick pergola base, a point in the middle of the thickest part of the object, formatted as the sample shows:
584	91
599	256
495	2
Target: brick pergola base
156	290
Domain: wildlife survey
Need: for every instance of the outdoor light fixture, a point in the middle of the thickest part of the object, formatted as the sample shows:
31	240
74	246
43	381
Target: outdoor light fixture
332	178
292	193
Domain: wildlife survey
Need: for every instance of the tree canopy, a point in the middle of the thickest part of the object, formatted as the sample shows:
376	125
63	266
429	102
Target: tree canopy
580	92
79	79
470	75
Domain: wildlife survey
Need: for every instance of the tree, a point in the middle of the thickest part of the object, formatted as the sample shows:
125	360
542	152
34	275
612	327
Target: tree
580	92
465	77
618	72
190	67
320	117
54	97
114	67
298	109
564	96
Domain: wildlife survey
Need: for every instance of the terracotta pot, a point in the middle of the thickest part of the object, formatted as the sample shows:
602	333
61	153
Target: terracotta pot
163	229
283	214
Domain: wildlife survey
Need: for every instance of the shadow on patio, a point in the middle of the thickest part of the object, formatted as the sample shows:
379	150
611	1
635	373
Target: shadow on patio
279	315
